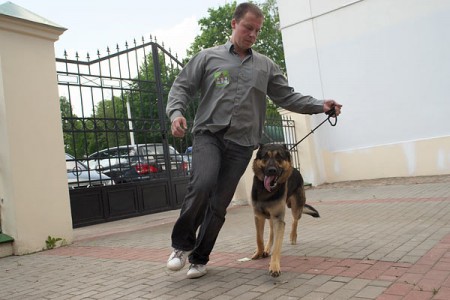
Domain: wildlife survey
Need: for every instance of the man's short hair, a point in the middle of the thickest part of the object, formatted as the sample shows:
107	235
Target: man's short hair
245	7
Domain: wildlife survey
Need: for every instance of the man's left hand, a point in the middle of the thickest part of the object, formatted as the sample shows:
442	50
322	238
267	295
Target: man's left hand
330	104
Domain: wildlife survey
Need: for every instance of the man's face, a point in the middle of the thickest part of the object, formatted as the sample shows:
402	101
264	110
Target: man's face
246	30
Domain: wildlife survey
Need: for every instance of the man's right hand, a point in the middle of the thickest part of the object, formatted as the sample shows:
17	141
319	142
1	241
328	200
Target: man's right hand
179	127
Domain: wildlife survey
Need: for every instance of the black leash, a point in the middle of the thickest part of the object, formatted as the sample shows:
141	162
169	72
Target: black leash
331	114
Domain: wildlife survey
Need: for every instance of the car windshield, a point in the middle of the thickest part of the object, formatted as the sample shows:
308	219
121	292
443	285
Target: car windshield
71	165
156	150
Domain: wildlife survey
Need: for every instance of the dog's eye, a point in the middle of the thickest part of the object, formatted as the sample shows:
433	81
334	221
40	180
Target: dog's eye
281	157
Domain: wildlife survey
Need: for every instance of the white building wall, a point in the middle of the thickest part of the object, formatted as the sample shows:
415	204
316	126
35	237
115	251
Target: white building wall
388	63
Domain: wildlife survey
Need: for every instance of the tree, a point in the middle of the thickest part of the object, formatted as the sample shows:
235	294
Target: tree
143	96
73	130
109	125
215	29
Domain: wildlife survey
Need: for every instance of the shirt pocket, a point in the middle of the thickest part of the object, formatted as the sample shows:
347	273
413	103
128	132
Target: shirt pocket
260	80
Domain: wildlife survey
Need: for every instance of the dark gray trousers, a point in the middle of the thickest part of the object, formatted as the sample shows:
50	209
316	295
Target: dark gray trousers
217	166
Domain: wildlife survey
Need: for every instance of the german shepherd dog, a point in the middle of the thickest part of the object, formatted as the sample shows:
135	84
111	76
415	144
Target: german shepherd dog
276	184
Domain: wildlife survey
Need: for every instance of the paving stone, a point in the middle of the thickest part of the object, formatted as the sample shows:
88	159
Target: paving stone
370	292
342	294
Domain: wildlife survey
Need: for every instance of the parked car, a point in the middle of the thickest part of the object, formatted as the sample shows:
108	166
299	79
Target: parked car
129	163
188	156
79	176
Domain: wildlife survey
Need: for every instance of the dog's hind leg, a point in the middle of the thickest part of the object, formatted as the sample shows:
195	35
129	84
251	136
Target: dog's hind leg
278	227
297	201
259	223
294	231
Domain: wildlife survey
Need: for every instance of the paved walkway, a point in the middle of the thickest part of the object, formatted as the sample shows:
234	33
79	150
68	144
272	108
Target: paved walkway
373	241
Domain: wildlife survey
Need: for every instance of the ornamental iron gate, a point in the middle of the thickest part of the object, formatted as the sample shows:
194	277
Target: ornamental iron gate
121	160
115	134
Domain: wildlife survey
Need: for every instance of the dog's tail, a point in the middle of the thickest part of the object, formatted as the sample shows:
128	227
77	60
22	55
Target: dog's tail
309	210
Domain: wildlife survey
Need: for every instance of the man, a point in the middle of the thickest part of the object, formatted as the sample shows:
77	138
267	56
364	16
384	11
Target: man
233	81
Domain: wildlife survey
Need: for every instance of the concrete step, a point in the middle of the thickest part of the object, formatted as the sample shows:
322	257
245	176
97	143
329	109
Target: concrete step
6	248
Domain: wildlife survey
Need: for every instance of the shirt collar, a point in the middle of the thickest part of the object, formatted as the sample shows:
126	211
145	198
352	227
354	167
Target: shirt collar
230	48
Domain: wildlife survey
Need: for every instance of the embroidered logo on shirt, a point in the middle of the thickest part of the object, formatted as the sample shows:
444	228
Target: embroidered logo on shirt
222	78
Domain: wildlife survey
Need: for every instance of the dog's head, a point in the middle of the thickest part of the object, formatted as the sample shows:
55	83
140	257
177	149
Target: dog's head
272	165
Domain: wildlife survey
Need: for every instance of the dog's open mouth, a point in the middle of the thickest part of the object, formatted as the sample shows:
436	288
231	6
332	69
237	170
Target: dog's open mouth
270	182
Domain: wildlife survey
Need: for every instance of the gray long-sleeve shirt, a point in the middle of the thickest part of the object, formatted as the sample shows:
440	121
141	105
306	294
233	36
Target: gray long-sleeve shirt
233	93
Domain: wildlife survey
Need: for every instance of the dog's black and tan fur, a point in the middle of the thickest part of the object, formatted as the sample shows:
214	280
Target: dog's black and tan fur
276	184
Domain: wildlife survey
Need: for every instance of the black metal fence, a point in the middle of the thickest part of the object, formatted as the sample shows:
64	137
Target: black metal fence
281	130
116	133
118	99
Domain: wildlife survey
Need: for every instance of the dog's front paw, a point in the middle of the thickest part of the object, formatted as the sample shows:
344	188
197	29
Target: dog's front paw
260	254
274	270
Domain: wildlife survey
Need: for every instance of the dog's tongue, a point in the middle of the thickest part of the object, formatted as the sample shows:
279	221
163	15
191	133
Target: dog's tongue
267	181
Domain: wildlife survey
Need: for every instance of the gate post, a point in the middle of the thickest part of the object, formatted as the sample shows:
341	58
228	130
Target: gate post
34	198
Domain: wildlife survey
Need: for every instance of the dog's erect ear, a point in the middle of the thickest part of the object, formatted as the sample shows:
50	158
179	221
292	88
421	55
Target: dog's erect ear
259	152
287	152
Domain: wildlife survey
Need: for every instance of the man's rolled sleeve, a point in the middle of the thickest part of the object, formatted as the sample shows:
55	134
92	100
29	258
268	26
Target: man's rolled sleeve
175	114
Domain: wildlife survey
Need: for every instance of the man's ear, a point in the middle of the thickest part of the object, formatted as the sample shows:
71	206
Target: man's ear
233	23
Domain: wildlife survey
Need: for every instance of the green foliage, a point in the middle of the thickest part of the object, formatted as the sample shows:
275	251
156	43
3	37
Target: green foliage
51	242
73	127
215	29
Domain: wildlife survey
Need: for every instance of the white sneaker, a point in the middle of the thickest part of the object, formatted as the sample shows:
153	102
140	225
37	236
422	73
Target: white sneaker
196	271
177	259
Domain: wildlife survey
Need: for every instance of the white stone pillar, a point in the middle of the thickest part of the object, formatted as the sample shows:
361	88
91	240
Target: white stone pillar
34	198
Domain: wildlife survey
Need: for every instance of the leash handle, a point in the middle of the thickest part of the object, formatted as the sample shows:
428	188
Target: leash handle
331	114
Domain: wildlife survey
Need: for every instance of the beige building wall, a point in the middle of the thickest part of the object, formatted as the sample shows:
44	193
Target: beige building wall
34	198
388	62
415	158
